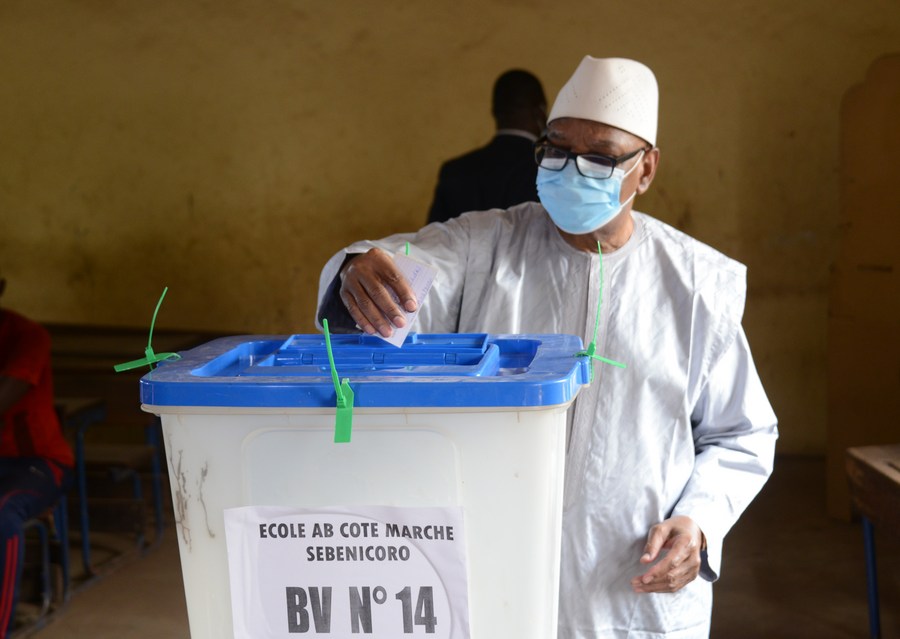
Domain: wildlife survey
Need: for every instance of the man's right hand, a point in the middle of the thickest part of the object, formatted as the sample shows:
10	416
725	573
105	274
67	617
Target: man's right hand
369	283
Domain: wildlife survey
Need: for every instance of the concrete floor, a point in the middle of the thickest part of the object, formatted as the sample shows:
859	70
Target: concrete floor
789	572
141	597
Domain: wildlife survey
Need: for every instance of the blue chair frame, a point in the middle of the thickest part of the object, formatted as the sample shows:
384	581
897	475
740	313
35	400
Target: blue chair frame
52	527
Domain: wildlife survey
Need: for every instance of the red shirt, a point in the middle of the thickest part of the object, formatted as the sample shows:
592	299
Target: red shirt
30	427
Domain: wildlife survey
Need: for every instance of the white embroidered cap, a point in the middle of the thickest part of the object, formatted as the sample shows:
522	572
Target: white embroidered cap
615	91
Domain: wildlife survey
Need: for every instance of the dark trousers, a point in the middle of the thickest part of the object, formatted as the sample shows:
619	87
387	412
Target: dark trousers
27	488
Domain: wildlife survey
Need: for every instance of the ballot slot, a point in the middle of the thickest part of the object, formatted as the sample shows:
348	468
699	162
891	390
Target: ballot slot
361	355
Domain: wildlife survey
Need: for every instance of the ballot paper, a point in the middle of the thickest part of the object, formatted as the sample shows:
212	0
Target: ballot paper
420	277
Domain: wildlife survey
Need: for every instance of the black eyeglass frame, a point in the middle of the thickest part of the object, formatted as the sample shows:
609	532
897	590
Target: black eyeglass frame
541	145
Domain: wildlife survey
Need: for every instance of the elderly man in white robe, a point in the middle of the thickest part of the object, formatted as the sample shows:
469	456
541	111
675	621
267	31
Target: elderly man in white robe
664	454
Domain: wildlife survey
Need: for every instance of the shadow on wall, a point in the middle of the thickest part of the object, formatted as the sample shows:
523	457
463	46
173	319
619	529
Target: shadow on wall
864	311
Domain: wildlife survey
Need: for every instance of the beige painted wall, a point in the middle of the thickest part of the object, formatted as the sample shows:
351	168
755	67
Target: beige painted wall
228	148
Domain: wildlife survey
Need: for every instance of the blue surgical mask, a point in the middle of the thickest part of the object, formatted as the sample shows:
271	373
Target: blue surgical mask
578	204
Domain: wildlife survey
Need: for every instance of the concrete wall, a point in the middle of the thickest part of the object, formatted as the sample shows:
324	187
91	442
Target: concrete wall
864	307
226	149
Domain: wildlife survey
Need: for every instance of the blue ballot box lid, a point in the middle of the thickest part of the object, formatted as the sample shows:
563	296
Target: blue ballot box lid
430	370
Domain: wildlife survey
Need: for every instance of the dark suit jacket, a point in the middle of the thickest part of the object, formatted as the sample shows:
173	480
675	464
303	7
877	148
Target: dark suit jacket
498	175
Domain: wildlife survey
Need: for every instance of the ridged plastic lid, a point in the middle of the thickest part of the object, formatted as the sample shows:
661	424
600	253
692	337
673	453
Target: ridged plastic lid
430	370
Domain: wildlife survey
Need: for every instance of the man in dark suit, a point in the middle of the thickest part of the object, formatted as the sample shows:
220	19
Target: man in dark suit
502	173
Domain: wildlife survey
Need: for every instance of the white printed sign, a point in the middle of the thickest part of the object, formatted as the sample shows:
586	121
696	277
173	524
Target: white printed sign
378	572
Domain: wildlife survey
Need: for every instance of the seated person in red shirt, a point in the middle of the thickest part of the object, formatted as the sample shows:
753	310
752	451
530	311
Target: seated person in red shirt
35	460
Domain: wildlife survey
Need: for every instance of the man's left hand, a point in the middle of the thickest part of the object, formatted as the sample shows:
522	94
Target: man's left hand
681	539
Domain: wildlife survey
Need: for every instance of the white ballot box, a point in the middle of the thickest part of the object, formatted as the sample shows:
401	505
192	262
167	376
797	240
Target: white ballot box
440	517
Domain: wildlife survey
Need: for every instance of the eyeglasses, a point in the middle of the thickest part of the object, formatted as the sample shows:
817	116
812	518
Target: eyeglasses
592	165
